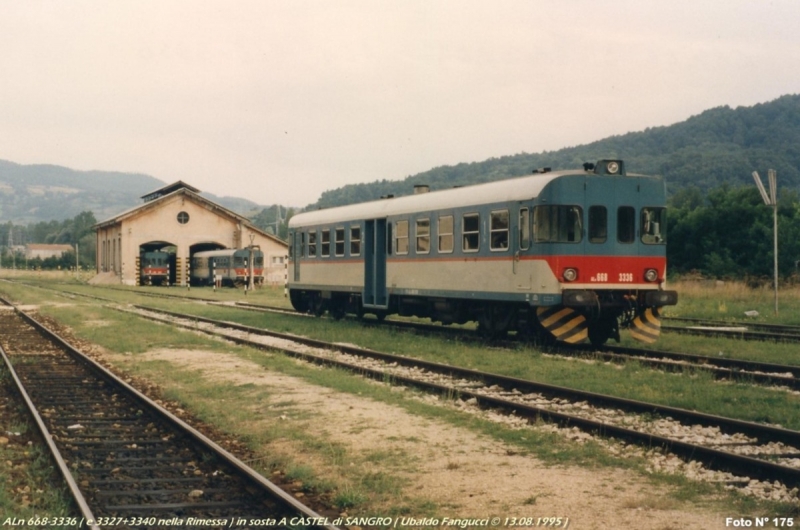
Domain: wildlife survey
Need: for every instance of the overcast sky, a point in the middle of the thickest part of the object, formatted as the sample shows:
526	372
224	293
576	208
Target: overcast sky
278	101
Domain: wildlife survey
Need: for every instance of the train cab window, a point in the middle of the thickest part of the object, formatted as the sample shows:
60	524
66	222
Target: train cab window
401	237
557	224
626	224
325	243
498	230
355	240
312	244
339	234
598	224
423	236
445	230
258	261
653	226
471	232
524	228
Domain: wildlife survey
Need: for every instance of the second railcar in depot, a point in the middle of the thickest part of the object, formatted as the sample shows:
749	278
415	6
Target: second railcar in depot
227	266
570	255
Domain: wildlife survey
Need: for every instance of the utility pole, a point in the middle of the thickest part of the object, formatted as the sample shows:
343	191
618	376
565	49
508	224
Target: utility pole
771	200
250	279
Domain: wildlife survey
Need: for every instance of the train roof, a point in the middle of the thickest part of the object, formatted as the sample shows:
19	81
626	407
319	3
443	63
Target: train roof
223	252
520	188
514	189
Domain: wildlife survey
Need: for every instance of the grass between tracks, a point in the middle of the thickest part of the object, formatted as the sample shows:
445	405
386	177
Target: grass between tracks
254	413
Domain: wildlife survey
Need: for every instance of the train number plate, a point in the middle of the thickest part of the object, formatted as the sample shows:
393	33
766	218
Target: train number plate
625	276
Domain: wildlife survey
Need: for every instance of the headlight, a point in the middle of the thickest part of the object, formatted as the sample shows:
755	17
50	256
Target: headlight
651	275
570	275
612	168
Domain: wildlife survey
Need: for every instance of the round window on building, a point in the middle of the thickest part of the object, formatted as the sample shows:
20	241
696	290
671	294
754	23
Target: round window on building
183	218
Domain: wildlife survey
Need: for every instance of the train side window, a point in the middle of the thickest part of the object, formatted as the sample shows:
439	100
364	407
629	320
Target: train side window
598	224
471	232
355	240
423	236
401	237
312	244
445	230
498	230
557	224
339	235
626	224
524	228
325	242
653	226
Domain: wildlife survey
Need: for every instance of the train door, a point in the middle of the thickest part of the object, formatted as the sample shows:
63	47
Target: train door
297	252
374	295
520	240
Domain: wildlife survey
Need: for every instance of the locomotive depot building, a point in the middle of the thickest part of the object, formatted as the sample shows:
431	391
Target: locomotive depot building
177	216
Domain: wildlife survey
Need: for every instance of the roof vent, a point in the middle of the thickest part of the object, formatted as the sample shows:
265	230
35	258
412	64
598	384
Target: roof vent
421	188
543	170
389	196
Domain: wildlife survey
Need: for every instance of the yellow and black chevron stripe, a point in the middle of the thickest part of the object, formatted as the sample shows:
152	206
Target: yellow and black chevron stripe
564	323
646	327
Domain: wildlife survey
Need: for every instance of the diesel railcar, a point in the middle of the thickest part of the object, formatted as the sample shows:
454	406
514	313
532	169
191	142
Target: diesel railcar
570	255
155	267
227	266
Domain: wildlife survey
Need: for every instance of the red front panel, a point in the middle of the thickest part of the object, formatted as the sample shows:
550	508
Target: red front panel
607	270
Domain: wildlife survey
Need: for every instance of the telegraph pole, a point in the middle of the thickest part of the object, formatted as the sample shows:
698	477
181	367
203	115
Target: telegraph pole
771	200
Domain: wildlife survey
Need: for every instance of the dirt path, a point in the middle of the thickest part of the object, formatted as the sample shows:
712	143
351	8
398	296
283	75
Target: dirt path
466	474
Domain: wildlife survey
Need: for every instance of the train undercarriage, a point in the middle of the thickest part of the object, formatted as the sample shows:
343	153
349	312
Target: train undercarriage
596	316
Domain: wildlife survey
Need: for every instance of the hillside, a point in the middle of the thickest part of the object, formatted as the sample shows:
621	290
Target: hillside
720	145
35	193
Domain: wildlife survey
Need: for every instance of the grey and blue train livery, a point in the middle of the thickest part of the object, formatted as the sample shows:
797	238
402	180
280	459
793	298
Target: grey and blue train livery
570	255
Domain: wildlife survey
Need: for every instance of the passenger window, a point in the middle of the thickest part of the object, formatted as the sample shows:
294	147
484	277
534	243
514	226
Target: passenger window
326	243
471	232
339	242
626	224
355	240
557	224
498	230
423	235
653	226
401	241
445	230
524	228
312	244
598	224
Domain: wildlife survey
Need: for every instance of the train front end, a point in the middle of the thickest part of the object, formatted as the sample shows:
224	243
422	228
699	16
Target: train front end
610	272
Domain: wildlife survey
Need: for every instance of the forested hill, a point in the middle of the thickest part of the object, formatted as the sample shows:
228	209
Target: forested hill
40	192
721	145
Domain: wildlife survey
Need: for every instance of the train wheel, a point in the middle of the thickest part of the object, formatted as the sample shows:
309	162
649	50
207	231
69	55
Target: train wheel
337	309
602	329
494	321
299	303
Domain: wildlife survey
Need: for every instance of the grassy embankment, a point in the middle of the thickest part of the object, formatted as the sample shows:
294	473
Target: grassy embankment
232	407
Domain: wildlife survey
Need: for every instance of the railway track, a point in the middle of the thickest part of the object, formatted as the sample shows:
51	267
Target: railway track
739	330
722	368
128	462
745	453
